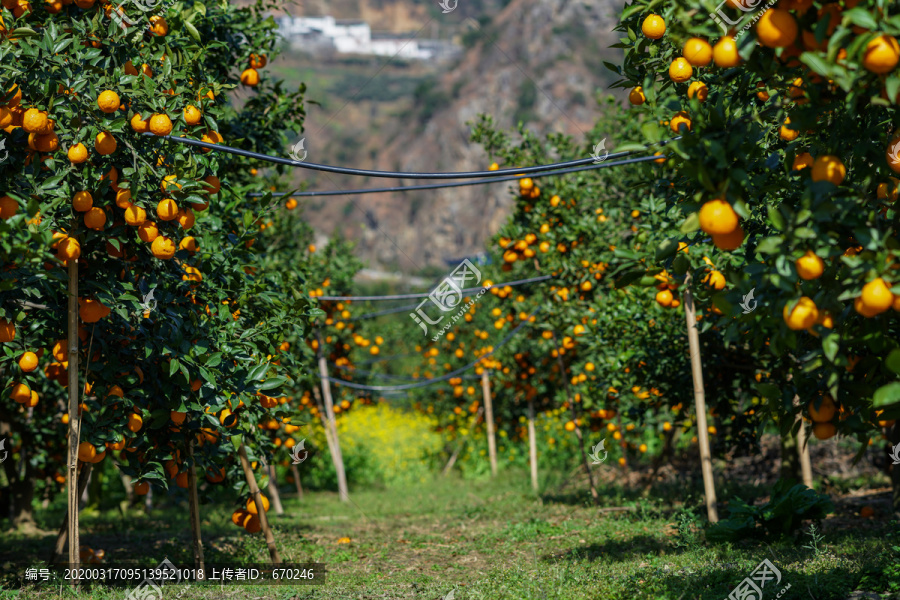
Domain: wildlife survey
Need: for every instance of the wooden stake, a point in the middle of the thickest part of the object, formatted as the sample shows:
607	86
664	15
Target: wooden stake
803	448
194	503
595	497
260	511
489	417
273	491
329	412
74	421
296	473
700	402
532	447
63	535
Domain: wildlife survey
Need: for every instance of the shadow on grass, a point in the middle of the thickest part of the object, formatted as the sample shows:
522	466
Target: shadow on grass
615	550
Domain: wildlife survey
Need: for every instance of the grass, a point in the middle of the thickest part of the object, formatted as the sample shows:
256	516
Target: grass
487	540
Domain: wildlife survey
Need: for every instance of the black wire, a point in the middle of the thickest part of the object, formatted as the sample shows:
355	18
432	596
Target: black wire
450	375
389	174
426	294
434	186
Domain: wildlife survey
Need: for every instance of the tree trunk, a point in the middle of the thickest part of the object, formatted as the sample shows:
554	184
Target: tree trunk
790	458
22	495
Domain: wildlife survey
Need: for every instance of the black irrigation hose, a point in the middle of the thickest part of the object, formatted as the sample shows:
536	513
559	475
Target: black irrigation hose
516	172
451	375
434	186
426	294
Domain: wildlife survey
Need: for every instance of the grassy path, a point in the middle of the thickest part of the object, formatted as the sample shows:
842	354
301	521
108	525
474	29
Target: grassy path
489	540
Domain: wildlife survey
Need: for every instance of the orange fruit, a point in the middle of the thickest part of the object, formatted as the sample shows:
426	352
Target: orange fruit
95	218
802	316
21	393
223	417
77	154
718	218
82	201
664	298
239	516
92	311
108	101
802	161
653	27
135	215
68	249
680	119
570	426
697	51
715	280
698	89
809	266
291	204
46	143
123	199
7	330
876	298
251	505
186	218
139	124
28	362
188	243
211	137
177	417
786	133
181	480
866	512
250	77
776	28
825	412
141	488
167	210
148	231
258	61
829	168
160	124
252	524
823	431
158	26
213	185
882	54
680	70
34	121
87	452
192	115
8	207
636	97
163	248
105	143
725	53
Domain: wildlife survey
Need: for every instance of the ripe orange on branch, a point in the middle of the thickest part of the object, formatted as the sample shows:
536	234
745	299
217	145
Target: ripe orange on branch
718	218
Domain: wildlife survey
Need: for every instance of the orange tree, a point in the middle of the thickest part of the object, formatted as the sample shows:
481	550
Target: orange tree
624	349
140	214
785	177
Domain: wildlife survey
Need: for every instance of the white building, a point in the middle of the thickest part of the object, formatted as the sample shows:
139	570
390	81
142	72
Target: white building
354	37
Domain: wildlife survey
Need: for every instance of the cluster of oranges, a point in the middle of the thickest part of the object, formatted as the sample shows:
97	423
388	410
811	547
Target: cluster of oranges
250	75
248	517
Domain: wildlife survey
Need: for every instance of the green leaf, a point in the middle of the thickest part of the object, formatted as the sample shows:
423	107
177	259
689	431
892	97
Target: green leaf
887	395
770	245
173	366
236	441
192	31
691	224
831	345
272	383
681	264
861	17
776	219
816	63
666	249
892	361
